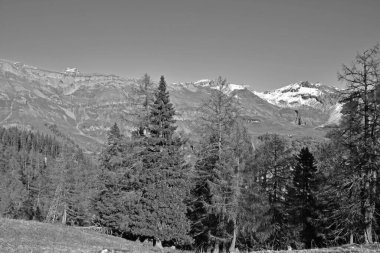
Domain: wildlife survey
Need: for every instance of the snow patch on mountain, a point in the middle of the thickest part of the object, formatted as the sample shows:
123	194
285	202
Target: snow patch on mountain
233	87
230	87
295	95
335	116
69	113
203	82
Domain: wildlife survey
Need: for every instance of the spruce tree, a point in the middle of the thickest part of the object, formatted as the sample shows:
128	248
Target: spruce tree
107	202
162	181
301	199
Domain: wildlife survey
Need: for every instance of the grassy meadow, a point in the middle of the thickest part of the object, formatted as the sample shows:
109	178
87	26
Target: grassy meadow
36	237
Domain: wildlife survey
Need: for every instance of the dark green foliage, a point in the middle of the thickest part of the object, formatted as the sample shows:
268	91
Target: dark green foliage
161	122
162	181
301	200
143	179
108	200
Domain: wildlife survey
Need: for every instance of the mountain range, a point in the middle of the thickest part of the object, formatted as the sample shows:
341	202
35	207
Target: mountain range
81	107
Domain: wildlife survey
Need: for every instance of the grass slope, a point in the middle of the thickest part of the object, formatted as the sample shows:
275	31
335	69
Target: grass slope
343	249
30	236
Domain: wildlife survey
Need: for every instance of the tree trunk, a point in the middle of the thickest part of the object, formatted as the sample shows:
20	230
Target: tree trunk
369	205
233	242
224	248
216	248
368	233
237	196
64	216
351	238
157	243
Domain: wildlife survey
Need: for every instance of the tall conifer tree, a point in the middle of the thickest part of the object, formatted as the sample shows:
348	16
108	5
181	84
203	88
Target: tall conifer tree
273	160
302	200
162	211
359	131
108	201
221	160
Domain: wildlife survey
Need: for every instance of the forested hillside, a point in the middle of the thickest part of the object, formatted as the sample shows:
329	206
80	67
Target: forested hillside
41	177
221	191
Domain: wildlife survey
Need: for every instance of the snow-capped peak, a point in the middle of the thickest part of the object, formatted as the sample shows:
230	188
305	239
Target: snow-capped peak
297	94
210	83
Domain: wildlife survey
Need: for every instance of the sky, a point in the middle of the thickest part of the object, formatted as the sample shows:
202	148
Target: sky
265	44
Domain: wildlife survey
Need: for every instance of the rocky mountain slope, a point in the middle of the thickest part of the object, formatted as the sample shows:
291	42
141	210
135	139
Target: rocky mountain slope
82	107
301	94
306	95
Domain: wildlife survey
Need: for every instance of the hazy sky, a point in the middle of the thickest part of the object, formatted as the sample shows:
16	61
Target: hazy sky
262	43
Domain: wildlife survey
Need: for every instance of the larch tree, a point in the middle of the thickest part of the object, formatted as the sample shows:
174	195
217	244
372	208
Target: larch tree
340	218
253	220
360	130
138	99
274	160
216	193
12	191
145	100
